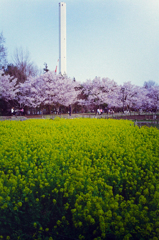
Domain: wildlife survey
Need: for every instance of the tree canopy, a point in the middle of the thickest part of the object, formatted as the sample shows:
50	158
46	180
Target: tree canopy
51	89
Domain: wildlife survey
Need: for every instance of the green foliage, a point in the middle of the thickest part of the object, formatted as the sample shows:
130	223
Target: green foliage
79	178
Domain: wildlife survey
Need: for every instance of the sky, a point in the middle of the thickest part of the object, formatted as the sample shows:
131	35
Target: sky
118	39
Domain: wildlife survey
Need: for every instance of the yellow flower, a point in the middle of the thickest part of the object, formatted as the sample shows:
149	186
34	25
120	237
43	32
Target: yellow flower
35	225
8	198
19	204
81	237
58	222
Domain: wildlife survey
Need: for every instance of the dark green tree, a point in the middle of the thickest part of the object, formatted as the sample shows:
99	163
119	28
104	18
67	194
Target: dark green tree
15	72
45	69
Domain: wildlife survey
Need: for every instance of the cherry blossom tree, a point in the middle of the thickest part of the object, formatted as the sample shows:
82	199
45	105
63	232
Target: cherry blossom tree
127	96
48	89
60	89
132	96
31	92
99	91
8	88
8	91
153	97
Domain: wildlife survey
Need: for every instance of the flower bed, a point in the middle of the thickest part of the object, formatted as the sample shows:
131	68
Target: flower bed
79	179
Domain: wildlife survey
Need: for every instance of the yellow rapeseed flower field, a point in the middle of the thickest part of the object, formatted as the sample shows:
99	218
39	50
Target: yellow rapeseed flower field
78	178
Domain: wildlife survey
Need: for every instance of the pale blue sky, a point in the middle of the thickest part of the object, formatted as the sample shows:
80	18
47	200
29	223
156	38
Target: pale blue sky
118	39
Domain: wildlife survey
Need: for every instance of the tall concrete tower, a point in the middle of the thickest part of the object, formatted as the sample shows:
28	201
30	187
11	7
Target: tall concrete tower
62	38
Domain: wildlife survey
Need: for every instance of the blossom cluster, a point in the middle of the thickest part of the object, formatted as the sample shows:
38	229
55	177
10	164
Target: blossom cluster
79	178
50	89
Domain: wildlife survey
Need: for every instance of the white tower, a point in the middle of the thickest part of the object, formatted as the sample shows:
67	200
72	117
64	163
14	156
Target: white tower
62	38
